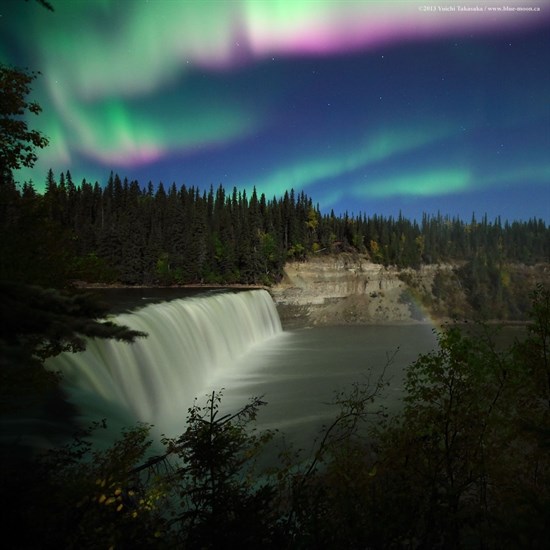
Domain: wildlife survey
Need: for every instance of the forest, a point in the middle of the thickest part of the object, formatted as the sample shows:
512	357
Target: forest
122	233
465	464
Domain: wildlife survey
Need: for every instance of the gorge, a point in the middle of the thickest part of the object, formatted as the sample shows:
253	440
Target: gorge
232	340
329	322
349	288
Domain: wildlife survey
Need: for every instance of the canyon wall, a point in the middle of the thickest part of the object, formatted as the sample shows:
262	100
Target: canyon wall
348	288
342	289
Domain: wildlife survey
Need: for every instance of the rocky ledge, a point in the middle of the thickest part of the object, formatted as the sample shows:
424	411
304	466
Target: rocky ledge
344	289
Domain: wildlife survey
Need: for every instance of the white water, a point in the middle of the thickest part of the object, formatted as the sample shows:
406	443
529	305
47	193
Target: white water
156	379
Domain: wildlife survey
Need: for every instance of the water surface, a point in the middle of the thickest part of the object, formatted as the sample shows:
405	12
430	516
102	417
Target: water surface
300	372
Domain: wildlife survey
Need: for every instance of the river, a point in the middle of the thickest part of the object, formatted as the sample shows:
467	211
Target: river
299	372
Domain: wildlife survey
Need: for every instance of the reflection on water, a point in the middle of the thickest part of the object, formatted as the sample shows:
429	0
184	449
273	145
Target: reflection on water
299	372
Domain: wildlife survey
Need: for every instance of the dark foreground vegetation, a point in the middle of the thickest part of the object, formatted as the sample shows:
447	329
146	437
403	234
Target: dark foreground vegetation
465	464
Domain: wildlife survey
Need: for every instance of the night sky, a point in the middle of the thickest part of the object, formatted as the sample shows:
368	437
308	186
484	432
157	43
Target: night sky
368	107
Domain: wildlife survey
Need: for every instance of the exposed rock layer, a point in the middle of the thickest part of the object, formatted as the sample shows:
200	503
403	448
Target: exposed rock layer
349	288
342	289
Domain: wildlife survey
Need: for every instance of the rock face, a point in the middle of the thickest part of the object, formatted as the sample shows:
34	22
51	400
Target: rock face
343	289
348	288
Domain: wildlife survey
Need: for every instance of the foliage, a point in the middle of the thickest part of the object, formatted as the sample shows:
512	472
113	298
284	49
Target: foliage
181	235
464	464
534	352
75	497
327	501
45	4
203	492
446	436
38	323
467	453
213	487
46	322
18	143
220	499
38	318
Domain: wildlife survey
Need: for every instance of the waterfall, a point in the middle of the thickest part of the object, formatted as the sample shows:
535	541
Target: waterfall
156	379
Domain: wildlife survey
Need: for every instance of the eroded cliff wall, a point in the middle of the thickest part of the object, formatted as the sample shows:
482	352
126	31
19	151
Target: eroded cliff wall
349	288
344	288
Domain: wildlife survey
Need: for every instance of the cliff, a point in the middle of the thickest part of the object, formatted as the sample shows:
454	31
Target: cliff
341	289
348	288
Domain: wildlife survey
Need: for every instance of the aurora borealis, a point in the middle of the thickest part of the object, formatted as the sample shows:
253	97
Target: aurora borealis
373	107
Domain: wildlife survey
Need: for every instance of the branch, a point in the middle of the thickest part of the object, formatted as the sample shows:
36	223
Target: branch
45	4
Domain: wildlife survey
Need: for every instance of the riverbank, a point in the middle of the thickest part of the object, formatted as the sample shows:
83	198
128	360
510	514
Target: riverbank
349	289
297	306
346	289
83	285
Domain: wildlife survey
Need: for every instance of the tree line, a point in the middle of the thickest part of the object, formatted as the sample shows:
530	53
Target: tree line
464	464
123	232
